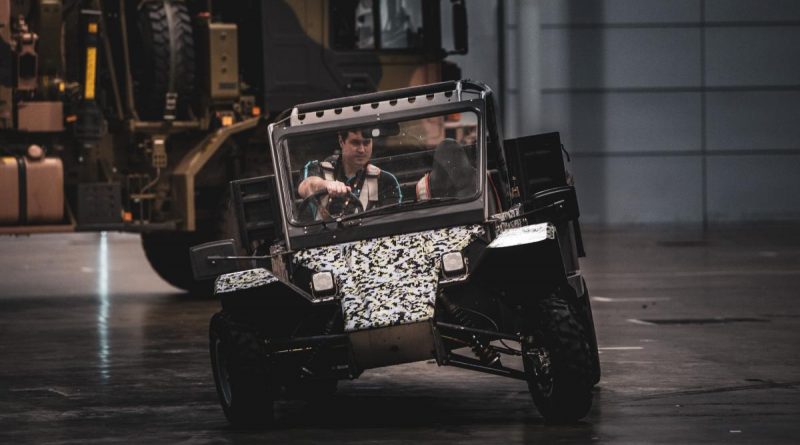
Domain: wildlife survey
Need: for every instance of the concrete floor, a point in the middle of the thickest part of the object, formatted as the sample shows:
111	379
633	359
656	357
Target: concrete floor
699	344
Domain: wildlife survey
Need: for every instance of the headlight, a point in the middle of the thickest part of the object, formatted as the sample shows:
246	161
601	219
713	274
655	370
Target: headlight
518	236
323	284
453	264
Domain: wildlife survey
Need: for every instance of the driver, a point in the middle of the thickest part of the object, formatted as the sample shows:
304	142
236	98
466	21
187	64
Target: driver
351	173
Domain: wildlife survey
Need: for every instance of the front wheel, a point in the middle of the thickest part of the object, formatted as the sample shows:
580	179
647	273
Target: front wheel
558	362
585	309
240	374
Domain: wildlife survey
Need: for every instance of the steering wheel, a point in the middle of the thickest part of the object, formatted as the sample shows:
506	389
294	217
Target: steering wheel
350	205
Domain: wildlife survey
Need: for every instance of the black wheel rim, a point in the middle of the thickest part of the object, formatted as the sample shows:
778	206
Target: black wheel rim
540	370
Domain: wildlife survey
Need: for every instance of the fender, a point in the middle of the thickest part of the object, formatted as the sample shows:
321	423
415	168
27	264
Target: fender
520	259
258	288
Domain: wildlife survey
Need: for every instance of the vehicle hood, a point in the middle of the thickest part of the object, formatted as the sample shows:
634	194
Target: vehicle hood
391	280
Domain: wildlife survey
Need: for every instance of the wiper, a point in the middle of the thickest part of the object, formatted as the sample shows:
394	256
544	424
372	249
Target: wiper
389	208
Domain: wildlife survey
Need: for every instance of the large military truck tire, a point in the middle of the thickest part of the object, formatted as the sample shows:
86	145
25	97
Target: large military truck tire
168	255
164	59
558	363
239	373
168	252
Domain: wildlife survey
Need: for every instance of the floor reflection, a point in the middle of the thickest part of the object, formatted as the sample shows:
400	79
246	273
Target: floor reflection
104	354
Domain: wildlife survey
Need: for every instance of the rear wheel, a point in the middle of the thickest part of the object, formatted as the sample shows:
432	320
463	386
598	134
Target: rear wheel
558	362
168	254
240	373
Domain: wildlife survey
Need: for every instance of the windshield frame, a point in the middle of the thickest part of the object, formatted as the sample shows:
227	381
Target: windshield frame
437	214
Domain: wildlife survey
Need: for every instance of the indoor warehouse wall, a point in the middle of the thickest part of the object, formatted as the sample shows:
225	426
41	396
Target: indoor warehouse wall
673	110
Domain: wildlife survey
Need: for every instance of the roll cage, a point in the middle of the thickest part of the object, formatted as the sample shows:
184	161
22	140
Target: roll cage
381	109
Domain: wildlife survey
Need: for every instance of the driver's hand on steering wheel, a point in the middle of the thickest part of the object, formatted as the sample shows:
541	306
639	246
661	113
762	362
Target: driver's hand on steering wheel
336	188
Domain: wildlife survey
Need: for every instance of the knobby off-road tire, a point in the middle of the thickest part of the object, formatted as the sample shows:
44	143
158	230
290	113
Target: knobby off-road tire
562	391
585	309
164	59
240	373
313	390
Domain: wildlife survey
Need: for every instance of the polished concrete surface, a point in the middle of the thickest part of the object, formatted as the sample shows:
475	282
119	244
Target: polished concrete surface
699	339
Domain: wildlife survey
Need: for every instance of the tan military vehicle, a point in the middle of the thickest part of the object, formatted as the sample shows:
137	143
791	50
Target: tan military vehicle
134	115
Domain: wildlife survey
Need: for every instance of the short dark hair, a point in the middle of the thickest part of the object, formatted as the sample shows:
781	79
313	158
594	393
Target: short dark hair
343	133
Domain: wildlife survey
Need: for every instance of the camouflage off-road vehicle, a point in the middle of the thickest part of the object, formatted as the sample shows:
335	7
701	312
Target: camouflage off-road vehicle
472	261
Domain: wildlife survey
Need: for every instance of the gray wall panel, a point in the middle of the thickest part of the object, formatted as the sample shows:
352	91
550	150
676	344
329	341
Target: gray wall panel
652	140
639	189
630	122
619	58
752	10
760	120
753	56
619	11
742	188
482	61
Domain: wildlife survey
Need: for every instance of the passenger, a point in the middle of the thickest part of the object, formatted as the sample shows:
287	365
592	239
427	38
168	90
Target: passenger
351	172
451	174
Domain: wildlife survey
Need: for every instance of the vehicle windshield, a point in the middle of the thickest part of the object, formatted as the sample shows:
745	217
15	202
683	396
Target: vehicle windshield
383	168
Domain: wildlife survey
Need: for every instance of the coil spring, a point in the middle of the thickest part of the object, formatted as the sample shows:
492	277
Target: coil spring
482	351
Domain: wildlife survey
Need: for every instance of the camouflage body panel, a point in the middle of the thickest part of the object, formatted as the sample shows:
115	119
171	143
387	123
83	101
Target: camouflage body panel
388	281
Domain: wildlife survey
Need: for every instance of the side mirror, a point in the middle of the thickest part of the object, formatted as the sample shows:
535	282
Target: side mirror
204	268
460	34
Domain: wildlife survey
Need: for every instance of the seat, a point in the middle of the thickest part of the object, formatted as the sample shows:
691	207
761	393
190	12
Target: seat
452	174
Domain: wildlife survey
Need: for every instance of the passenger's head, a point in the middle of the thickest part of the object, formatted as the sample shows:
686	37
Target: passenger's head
452	173
356	149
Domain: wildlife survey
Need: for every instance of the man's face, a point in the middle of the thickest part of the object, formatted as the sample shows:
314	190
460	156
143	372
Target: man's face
356	149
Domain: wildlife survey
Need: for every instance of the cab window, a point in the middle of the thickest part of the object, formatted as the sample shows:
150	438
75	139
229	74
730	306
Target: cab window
376	24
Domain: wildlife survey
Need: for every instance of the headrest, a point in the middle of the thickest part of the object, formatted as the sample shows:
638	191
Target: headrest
452	174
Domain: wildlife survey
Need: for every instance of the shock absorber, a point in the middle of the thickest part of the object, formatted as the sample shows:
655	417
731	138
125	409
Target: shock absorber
480	348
